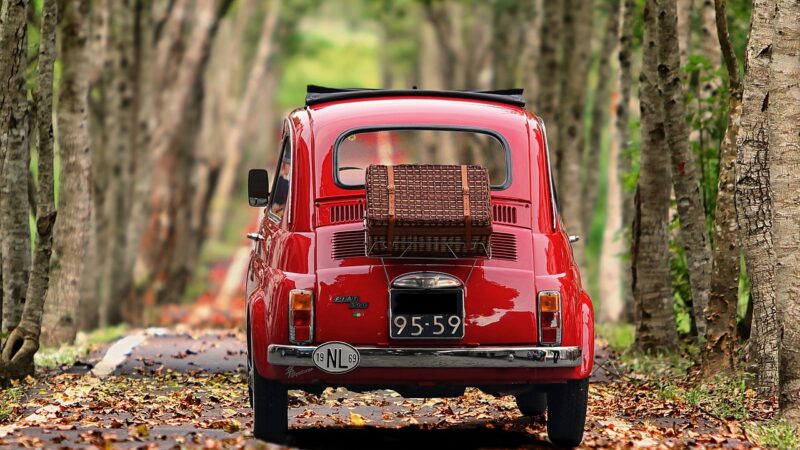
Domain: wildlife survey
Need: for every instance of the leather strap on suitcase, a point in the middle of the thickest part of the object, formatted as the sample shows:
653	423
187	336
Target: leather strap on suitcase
390	188
467	216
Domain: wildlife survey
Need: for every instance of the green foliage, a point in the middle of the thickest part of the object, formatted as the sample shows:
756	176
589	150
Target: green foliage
620	336
777	434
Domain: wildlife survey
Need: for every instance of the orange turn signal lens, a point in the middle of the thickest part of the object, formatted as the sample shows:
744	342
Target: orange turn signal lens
549	301
300	300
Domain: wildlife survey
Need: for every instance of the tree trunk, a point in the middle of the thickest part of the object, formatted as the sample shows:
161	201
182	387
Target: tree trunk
724	296
685	180
685	8
610	276
121	123
233	145
600	114
652	289
623	138
753	200
71	235
784	172
16	246
548	70
22	344
574	72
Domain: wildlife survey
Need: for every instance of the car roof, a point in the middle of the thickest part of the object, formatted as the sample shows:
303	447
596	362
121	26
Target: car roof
316	95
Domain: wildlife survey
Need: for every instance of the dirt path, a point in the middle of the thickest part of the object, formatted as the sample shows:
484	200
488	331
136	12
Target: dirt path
190	390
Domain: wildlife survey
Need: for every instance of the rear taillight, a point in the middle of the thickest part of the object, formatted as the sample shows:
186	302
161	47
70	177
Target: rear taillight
550	317
301	316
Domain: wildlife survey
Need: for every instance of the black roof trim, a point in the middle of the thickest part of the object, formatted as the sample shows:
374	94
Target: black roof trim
319	94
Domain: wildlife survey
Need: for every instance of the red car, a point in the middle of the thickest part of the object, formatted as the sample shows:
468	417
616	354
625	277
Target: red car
321	313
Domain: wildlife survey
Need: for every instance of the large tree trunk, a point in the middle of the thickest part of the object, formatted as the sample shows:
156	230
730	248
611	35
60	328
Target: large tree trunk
685	180
14	231
600	114
724	295
753	200
548	69
623	137
784	171
22	344
71	234
652	289
574	73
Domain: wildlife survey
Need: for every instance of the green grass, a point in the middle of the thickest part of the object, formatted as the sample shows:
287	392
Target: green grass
67	354
620	336
9	399
777	434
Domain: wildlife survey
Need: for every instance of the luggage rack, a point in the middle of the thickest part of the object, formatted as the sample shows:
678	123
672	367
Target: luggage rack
409	244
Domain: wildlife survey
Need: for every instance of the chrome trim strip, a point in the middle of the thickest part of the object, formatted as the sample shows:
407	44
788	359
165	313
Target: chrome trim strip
554	207
477	358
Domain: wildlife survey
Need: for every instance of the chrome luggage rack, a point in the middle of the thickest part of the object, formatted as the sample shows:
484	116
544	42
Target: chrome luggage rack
368	251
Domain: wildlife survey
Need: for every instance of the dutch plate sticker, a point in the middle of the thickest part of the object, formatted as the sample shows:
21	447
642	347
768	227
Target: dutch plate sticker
336	357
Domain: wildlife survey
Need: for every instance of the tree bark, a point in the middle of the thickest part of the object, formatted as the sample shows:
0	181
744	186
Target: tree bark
753	199
600	114
574	72
16	247
784	172
23	342
724	296
685	8
548	70
685	180
71	235
652	289
623	133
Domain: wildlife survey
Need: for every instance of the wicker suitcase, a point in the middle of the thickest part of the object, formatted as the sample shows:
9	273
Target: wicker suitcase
434	211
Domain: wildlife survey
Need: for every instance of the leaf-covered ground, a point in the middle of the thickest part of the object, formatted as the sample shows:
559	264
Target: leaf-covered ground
188	390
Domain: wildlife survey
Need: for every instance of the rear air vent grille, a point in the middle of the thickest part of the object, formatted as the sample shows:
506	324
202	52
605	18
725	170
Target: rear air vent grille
351	212
504	246
348	244
504	214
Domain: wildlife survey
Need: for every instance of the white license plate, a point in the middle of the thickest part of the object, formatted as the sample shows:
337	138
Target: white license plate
336	357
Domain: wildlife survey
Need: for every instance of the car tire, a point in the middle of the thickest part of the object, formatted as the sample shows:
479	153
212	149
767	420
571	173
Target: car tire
270	409
532	403
566	412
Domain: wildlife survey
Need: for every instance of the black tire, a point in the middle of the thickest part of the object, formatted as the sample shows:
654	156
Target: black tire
270	409
532	403
566	412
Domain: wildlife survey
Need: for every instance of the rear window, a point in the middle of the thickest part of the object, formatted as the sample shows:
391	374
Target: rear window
356	150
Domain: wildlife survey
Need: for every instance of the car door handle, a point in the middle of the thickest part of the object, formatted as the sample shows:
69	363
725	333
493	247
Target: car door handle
255	236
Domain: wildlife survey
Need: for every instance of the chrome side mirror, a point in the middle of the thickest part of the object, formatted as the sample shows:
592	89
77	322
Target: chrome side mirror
258	187
574	238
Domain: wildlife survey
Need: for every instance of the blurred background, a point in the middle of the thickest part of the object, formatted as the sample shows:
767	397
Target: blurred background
186	95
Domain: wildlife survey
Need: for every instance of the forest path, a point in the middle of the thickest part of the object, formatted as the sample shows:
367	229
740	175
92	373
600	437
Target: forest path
190	389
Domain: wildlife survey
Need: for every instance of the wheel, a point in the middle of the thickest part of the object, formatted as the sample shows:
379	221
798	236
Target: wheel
270	409
532	403
566	412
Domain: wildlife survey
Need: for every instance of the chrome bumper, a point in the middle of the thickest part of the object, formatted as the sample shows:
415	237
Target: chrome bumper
478	357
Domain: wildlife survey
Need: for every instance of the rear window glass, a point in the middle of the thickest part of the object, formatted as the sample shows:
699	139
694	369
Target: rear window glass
358	150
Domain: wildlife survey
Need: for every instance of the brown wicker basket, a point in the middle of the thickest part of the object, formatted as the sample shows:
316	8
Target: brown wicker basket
428	211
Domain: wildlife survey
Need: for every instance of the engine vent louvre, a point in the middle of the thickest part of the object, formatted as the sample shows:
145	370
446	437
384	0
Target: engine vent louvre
353	212
504	246
504	214
348	244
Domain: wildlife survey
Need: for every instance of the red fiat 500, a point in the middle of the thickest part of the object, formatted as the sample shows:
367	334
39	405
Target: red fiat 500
320	312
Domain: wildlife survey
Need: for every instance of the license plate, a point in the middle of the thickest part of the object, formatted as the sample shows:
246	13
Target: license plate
427	326
336	357
426	314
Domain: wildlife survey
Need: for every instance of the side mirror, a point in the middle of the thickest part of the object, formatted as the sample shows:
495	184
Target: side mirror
258	187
